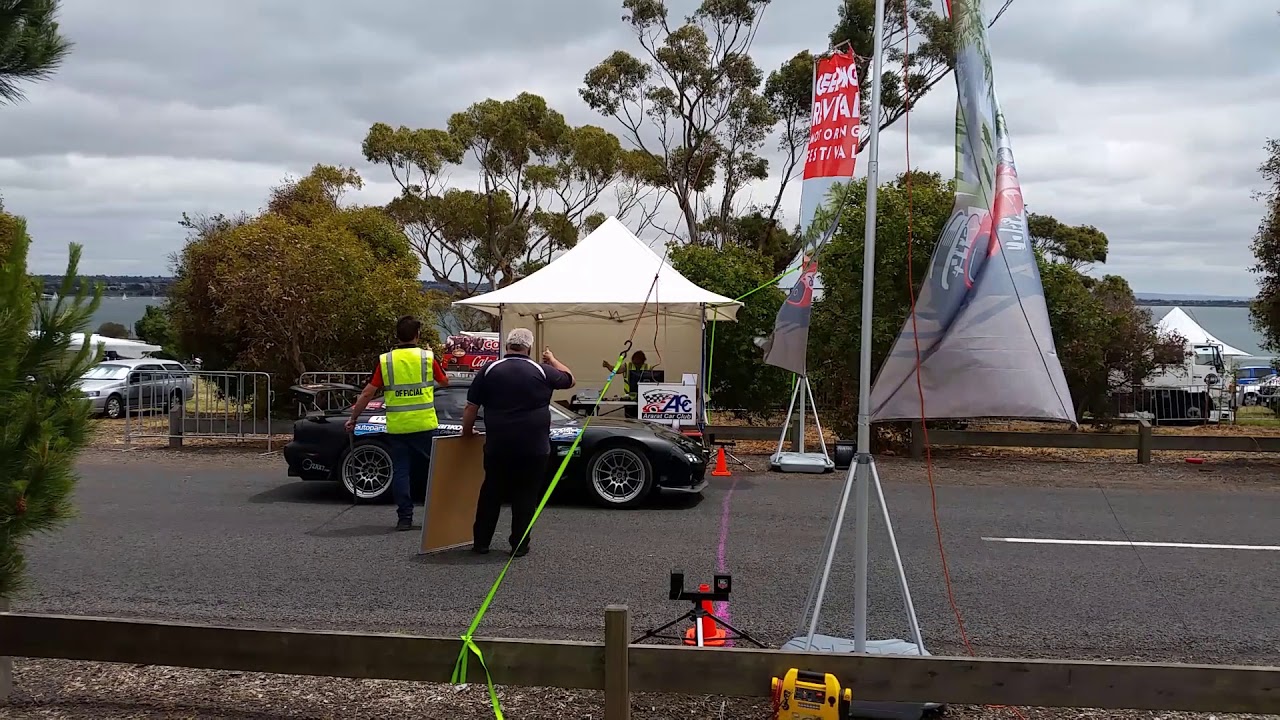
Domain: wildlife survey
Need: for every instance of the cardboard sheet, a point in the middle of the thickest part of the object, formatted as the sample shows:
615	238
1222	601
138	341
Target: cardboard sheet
453	491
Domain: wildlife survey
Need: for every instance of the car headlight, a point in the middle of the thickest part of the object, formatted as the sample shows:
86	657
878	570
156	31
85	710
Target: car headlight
91	393
692	458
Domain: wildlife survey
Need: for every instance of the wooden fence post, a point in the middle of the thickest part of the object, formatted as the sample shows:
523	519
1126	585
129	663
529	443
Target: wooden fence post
176	423
1144	442
917	440
617	664
6	666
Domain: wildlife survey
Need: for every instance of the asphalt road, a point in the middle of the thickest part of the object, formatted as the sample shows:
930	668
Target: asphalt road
247	545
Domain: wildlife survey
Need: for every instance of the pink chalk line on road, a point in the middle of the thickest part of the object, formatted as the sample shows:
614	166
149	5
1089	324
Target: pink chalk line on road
722	606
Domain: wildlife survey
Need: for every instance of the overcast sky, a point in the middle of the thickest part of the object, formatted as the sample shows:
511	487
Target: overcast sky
1145	118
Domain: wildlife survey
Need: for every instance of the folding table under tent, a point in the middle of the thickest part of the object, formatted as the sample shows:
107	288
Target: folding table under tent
584	304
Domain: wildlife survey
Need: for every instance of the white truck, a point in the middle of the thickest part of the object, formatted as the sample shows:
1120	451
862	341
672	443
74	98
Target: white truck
1194	392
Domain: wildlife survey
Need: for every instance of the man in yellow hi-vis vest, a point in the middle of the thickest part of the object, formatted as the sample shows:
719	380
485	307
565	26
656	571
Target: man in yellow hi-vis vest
407	377
638	362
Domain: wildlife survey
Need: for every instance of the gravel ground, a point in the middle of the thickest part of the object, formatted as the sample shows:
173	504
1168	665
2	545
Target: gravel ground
61	689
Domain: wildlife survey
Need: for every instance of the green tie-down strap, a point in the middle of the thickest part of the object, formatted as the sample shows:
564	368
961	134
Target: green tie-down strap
468	644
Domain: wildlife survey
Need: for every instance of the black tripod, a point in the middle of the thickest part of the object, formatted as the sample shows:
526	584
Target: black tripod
726	444
722	584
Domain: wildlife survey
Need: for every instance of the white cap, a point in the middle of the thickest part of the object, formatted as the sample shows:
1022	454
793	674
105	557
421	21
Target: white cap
520	337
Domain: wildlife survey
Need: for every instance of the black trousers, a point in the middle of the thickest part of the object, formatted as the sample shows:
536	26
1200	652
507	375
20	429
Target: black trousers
518	478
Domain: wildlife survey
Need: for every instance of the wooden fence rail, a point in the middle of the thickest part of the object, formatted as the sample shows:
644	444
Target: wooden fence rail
618	668
1142	442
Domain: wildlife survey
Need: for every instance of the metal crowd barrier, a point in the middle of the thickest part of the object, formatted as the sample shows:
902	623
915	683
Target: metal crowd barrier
331	402
198	404
1178	405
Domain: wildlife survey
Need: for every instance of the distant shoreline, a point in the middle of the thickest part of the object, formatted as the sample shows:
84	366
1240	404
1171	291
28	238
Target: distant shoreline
156	287
1167	302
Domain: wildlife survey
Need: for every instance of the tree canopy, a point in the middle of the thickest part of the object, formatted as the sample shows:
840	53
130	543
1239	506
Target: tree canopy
540	181
306	285
694	101
154	326
31	46
44	420
1265	310
113	330
738	379
1077	246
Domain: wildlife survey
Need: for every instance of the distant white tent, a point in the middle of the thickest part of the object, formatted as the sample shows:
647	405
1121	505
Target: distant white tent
123	348
585	304
1177	320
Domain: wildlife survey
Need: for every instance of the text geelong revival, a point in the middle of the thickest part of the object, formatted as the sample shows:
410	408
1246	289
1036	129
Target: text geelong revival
833	134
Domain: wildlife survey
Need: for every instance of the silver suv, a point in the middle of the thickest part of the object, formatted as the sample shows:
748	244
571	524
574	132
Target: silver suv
143	384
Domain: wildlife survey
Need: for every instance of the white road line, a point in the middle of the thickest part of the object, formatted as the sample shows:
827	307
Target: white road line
1126	543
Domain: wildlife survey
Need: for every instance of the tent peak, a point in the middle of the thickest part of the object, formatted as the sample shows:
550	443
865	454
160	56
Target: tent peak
610	272
1180	321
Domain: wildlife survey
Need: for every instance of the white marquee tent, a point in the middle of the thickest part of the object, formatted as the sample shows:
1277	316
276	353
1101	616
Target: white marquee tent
123	348
1177	320
585	303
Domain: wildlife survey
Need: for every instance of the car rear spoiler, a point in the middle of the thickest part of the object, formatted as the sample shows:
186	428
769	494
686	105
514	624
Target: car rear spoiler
310	397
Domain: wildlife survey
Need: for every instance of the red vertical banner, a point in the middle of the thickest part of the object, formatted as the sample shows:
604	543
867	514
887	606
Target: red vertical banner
833	131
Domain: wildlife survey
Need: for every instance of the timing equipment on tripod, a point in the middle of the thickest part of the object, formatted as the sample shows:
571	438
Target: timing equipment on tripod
707	630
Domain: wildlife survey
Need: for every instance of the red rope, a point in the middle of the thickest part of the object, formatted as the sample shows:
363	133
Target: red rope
924	423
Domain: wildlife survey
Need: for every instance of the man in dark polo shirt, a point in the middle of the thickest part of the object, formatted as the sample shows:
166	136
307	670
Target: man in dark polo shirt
515	393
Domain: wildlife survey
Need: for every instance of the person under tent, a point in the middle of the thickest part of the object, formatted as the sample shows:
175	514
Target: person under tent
638	362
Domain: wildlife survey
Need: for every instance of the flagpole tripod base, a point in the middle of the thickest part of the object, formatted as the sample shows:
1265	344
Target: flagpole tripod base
864	477
792	462
800	461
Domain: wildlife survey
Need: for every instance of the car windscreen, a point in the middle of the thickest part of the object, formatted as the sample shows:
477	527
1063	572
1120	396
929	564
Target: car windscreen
450	403
106	372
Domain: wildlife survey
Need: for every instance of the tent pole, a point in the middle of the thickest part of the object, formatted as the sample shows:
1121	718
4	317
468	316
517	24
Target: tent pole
702	375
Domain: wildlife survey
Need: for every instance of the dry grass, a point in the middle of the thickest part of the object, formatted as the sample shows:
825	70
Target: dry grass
1250	422
109	435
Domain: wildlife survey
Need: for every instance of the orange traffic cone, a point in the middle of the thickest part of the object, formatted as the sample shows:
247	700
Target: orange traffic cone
712	634
722	468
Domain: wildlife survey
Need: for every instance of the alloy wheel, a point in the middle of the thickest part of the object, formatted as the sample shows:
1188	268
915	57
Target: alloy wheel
366	471
618	475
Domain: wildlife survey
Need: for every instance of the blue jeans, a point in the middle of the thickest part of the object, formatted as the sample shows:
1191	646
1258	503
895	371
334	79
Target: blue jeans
409	451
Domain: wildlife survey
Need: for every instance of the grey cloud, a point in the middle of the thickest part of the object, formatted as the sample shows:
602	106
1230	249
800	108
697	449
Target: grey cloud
1101	42
1144	118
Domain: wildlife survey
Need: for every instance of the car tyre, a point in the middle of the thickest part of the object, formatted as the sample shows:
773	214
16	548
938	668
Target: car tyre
114	407
364	471
619	476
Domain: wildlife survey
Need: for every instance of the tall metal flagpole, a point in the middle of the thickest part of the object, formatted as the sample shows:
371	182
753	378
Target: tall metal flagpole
862	465
863	470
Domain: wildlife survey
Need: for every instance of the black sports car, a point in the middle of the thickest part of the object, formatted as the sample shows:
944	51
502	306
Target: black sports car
618	462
